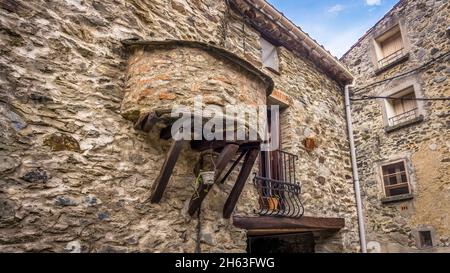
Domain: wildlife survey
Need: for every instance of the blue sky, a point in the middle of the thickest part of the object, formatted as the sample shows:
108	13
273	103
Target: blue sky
336	24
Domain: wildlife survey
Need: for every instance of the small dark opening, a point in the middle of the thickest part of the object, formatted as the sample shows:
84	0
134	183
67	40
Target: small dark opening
425	239
279	244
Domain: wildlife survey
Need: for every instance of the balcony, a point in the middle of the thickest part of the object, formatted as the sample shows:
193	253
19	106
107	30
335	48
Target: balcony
404	117
280	208
278	198
404	120
278	190
392	60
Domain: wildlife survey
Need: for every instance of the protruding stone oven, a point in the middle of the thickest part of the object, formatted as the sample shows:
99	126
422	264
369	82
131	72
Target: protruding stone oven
171	75
164	74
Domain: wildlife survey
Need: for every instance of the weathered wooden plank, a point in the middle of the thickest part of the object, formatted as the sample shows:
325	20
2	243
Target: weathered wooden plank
146	122
151	121
281	223
140	122
272	232
246	169
166	171
221	163
201	145
225	177
166	133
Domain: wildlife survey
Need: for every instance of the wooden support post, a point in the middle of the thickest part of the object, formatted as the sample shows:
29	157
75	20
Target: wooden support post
140	122
225	177
151	121
201	145
146	122
221	163
249	161
166	171
166	133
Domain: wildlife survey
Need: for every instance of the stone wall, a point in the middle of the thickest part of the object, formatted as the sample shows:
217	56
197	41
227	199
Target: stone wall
75	175
425	145
179	74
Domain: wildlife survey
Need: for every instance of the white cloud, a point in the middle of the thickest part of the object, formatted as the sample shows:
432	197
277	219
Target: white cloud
336	9
341	41
373	2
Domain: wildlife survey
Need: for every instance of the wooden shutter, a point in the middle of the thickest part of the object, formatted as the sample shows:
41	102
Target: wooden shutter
269	55
398	107
392	44
410	104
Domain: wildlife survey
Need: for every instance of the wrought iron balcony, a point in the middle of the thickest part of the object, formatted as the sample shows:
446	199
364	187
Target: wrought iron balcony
403	117
277	198
278	190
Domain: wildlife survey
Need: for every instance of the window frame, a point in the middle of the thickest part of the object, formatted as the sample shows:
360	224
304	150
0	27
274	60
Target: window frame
418	239
392	104
422	240
382	34
393	32
394	89
408	178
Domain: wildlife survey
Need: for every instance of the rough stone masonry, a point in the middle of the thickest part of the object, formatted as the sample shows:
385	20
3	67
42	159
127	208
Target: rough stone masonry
74	174
425	145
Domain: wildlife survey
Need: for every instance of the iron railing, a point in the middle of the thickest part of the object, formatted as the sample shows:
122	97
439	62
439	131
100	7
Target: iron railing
391	58
408	115
279	165
277	198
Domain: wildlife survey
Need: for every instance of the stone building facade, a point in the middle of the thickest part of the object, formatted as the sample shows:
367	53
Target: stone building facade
75	175
405	55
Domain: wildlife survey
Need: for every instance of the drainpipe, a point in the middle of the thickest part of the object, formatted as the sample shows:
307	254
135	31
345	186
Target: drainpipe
362	229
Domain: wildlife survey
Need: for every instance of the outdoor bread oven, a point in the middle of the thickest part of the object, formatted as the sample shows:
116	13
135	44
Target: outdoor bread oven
166	77
162	75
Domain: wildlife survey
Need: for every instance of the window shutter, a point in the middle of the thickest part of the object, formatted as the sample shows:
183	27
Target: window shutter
410	104
392	44
398	107
269	55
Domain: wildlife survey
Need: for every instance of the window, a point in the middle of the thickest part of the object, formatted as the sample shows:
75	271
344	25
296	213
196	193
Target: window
402	108
425	238
269	55
395	179
389	47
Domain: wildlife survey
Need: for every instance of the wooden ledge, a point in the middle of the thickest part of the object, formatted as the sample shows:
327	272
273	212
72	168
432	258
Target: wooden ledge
267	225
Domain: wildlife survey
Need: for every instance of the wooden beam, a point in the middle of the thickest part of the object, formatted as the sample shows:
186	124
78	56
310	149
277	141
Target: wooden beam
202	145
271	232
146	122
166	133
140	122
224	158
221	163
151	121
225	177
304	223
161	182
246	169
